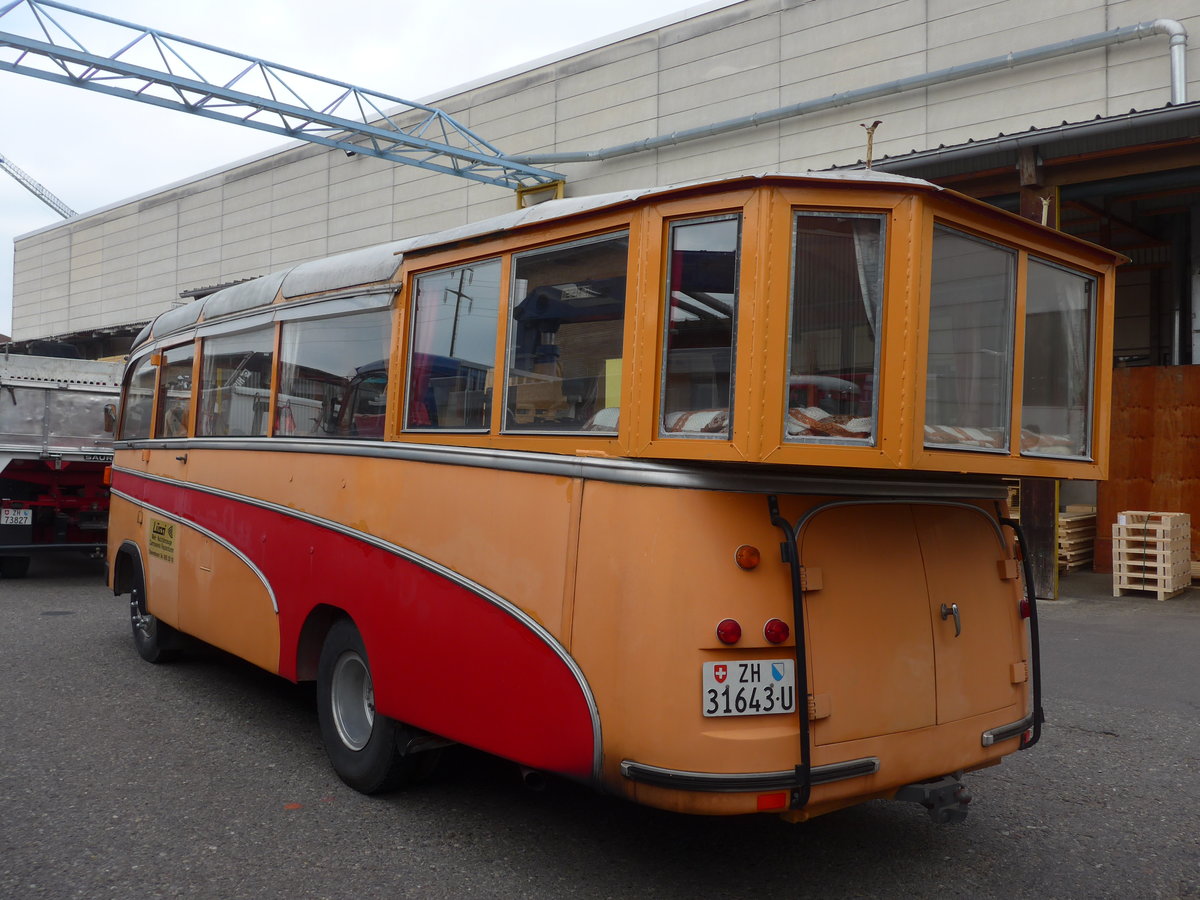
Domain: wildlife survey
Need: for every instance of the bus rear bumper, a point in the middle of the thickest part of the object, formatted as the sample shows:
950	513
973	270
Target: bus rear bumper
1005	732
744	782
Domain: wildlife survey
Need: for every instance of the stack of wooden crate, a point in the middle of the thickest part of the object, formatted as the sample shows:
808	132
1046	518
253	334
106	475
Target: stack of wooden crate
1014	497
1152	551
1076	538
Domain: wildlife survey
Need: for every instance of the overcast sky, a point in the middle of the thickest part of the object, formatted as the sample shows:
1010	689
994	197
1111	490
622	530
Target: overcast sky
91	150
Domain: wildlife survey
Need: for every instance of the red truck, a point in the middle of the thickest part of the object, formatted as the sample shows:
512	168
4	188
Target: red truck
56	424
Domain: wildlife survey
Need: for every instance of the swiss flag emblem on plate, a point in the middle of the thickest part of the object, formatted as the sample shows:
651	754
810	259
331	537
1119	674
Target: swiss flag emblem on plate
720	673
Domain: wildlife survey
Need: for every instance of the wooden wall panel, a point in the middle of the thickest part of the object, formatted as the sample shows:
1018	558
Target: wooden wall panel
1155	461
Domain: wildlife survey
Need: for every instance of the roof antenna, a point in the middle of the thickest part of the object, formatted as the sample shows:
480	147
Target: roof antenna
871	138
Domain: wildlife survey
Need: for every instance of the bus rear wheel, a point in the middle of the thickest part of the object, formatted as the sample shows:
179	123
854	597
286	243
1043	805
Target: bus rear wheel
155	641
363	746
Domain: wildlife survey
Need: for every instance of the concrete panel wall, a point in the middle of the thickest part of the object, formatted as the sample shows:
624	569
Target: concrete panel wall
129	262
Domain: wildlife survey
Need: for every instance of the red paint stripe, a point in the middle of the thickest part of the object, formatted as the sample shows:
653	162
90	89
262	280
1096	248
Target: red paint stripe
442	657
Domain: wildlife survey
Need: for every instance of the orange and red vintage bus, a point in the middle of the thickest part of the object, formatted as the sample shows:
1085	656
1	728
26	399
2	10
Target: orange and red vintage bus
694	494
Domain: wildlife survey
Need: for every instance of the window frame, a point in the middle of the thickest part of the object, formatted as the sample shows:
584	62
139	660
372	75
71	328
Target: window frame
1014	339
509	332
269	327
188	426
734	215
502	308
884	219
334	315
1090	341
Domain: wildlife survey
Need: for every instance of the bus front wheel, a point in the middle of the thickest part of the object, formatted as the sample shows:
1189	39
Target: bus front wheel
363	746
155	641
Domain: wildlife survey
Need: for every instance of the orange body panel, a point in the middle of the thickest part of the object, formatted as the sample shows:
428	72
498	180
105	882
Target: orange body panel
204	590
657	573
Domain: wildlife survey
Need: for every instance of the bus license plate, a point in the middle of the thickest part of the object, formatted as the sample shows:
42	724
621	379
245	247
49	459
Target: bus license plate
749	687
16	516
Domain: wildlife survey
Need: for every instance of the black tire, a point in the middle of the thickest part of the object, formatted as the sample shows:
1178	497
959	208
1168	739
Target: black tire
363	746
14	566
155	641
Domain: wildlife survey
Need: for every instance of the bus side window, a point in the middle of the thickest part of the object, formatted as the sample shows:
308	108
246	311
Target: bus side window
450	370
697	383
325	365
366	407
175	392
235	383
139	401
565	339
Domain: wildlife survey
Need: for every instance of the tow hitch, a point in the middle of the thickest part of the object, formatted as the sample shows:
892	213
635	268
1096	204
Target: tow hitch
945	799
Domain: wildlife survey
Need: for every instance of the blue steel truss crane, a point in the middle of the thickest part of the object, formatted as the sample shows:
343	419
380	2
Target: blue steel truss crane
35	188
59	43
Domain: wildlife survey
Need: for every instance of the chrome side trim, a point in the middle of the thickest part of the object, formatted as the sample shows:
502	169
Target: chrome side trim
750	478
744	782
208	534
1005	732
415	558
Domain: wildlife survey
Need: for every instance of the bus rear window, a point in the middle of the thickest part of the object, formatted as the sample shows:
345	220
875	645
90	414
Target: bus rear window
837	303
235	384
333	377
565	340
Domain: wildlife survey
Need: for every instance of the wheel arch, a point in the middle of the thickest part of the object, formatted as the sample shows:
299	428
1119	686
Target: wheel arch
313	632
128	556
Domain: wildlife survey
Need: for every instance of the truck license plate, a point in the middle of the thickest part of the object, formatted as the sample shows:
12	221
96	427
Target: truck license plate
749	687
16	516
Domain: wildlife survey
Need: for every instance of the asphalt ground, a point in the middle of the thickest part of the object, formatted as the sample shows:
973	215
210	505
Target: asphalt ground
206	778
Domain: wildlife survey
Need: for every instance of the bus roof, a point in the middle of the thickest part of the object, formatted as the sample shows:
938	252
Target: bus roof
378	264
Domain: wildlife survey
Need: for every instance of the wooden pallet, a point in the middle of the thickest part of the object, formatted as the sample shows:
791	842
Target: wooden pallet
1152	552
1135	524
1076	540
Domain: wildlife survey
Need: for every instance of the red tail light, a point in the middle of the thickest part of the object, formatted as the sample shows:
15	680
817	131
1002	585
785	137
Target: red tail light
729	631
777	631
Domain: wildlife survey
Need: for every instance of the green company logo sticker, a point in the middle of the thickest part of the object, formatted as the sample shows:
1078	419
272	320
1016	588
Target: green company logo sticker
162	540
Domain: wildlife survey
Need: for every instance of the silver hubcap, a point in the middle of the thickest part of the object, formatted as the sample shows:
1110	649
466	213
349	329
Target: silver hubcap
352	698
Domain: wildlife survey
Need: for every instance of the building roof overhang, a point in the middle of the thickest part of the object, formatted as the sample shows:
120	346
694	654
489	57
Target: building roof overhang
1103	135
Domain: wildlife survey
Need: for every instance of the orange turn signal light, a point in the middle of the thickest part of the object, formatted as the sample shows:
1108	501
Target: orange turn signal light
747	557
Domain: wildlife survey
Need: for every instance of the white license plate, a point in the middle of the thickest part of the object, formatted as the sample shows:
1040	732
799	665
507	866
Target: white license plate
749	687
16	516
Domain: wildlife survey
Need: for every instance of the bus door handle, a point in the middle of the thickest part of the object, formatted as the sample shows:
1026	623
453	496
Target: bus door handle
952	610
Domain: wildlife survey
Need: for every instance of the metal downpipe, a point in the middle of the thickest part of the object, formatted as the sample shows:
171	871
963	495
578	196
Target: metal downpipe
1170	27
